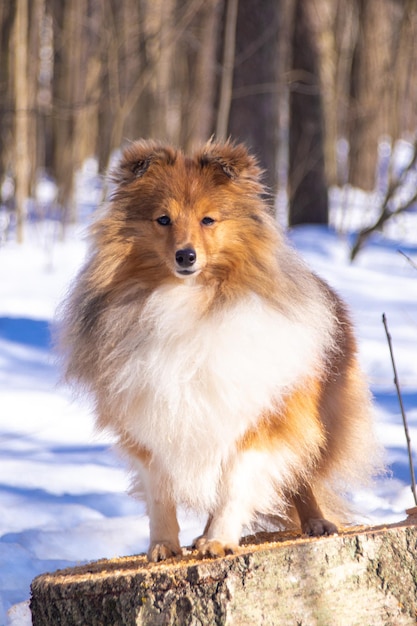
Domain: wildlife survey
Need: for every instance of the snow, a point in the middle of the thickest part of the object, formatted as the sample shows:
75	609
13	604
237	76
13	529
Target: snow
63	490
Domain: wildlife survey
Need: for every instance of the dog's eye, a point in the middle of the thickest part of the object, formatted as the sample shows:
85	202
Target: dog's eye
207	221
164	220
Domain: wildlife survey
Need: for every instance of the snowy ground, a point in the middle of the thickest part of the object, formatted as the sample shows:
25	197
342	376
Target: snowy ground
62	490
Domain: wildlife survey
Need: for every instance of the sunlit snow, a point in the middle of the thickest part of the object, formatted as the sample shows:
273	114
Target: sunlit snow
63	490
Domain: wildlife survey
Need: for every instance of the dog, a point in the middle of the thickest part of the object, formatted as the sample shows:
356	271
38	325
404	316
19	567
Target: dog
226	369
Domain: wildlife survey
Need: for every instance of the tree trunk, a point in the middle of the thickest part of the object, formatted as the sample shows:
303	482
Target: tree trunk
361	577
198	115
370	90
329	40
69	19
254	110
22	161
7	16
308	201
131	66
226	78
405	70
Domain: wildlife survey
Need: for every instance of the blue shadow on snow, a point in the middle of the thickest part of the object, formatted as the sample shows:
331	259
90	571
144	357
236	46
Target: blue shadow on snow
26	331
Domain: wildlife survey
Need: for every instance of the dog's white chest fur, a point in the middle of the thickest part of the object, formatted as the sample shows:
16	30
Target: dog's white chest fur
189	386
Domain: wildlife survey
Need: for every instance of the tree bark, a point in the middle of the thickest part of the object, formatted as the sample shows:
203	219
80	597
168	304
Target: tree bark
254	108
67	96
371	90
363	576
198	108
306	171
7	103
226	79
22	159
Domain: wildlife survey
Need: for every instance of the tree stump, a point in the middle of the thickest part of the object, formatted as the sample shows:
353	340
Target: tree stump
362	577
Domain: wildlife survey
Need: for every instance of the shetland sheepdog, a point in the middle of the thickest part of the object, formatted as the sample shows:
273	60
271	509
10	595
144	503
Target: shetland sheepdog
225	368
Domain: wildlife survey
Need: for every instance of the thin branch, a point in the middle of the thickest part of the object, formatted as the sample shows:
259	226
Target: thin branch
386	213
411	262
397	385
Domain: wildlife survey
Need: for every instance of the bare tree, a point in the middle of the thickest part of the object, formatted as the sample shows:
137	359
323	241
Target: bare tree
370	88
400	118
254	110
201	67
390	206
7	16
21	83
288	77
228	62
404	83
67	92
307	184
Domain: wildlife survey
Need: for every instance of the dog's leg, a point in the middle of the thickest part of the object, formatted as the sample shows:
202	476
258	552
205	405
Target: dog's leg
312	520
222	533
235	506
163	524
198	539
164	530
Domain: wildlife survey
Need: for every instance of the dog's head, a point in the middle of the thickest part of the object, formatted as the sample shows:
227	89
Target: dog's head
188	216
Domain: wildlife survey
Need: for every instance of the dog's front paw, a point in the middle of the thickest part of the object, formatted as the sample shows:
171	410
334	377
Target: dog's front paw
212	548
317	527
162	550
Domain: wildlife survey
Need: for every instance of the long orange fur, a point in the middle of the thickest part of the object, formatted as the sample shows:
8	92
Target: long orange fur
230	378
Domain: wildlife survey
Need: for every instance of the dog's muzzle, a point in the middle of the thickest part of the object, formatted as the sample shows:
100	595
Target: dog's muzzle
185	259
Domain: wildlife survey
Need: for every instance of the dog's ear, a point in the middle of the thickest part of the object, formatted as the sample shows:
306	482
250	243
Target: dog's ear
232	160
138	168
138	157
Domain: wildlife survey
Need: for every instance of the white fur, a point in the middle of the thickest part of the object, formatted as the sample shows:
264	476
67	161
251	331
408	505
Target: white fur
253	481
188	386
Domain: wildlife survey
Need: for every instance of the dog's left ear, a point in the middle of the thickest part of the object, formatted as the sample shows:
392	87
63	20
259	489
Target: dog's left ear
233	160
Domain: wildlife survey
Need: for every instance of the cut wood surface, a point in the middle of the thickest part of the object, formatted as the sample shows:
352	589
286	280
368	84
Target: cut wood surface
364	576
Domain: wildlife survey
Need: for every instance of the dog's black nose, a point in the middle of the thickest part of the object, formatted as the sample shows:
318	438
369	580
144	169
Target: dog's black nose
186	257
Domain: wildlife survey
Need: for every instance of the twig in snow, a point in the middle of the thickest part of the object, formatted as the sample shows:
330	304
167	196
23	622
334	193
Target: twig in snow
411	262
397	385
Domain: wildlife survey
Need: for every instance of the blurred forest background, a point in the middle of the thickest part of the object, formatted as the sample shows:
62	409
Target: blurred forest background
310	85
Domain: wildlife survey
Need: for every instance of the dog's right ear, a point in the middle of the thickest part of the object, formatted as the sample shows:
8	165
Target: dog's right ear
139	168
136	159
